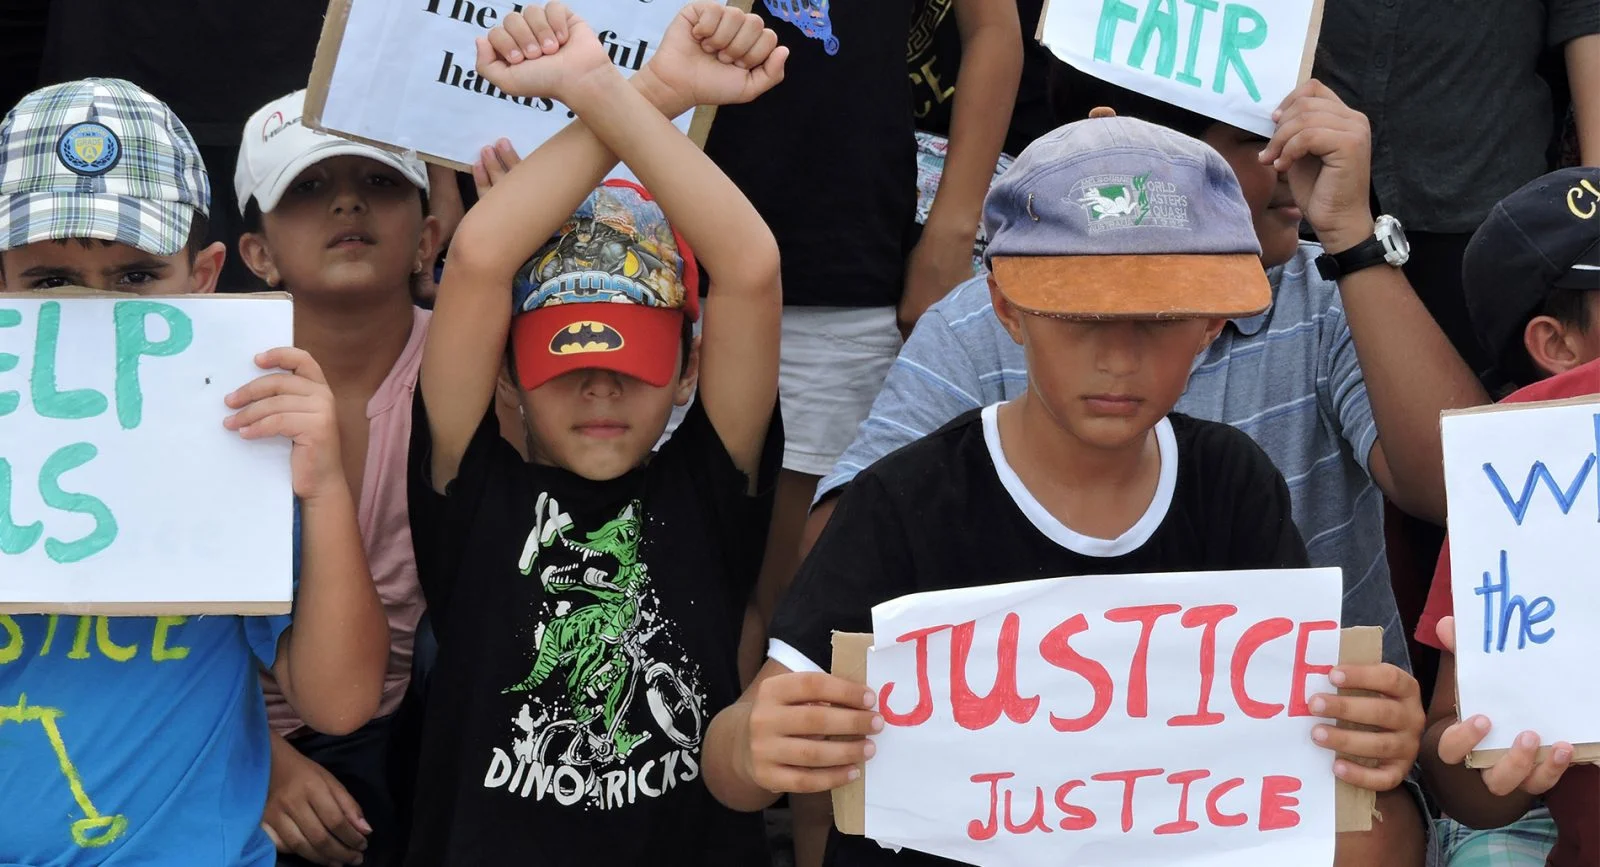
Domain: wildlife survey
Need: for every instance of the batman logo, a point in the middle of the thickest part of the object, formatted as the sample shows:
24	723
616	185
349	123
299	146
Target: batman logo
585	336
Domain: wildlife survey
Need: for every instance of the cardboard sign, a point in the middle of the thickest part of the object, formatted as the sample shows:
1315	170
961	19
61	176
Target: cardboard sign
120	490
402	75
1228	60
1522	484
1125	719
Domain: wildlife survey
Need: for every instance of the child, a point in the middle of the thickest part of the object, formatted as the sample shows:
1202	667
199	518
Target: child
588	603
163	758
345	228
1532	281
1087	472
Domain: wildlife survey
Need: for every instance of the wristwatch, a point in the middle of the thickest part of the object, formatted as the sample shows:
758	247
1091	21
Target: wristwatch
1388	244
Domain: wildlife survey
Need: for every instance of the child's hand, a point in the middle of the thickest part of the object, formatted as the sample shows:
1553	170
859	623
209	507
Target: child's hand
808	732
1521	768
493	164
717	55
298	406
541	51
309	812
1394	714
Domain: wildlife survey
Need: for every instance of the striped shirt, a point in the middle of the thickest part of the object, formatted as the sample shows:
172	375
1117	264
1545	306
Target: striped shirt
1288	377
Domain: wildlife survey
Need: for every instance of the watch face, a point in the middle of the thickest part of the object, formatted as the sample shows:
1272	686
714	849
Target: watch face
1397	250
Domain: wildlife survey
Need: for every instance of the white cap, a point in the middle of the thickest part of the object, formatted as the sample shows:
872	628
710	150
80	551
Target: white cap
277	147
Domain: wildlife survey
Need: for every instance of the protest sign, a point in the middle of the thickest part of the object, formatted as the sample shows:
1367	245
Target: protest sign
120	490
1127	719
1523	490
402	75
1231	61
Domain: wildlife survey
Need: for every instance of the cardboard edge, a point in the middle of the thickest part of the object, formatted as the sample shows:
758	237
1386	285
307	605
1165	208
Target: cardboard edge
1580	400
1353	807
1582	754
328	45
82	292
1044	15
148	609
1308	57
706	115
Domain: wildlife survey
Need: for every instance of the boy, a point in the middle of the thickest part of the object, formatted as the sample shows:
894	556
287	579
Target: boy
588	603
163	757
1532	281
1087	472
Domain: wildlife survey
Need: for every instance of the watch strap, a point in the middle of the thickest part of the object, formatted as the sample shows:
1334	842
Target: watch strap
1366	254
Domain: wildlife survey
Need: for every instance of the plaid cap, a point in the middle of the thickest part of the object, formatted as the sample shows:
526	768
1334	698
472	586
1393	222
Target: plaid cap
99	158
611	290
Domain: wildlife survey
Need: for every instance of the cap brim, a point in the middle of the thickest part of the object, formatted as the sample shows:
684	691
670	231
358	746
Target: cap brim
1584	272
1185	286
633	340
154	227
270	192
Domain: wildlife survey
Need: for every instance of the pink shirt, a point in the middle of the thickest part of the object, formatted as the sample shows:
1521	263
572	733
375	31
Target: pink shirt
385	522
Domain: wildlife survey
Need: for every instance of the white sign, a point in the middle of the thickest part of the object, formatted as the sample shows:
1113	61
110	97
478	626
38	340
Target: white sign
1523	491
403	73
1231	61
120	490
1107	720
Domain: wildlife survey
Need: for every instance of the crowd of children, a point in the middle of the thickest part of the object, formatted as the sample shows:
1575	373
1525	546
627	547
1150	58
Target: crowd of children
571	544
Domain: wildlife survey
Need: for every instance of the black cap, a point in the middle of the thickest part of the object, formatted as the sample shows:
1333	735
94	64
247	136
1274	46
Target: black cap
1544	236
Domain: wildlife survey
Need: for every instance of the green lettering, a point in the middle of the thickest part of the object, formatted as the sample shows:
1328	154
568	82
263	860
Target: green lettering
47	401
1196	25
132	342
110	649
9	400
49	634
104	533
159	652
1235	42
1160	17
14	539
1111	11
13	649
80	644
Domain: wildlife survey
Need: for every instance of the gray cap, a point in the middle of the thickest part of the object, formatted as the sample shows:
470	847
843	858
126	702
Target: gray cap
1116	218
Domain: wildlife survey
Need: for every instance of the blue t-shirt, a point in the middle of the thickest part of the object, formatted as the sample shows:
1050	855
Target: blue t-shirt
135	740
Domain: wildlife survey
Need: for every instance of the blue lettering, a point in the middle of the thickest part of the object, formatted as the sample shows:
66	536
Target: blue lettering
1519	507
1500	612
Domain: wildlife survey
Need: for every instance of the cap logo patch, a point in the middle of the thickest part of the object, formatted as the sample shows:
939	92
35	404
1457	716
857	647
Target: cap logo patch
1130	201
603	259
585	336
89	149
1578	194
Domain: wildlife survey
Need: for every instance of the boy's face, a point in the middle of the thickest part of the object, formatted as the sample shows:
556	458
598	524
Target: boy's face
109	266
1106	382
1266	191
346	224
598	423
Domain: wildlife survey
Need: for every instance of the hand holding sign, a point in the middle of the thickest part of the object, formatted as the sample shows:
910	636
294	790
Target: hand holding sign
1325	148
1520	768
297	406
808	732
1391	716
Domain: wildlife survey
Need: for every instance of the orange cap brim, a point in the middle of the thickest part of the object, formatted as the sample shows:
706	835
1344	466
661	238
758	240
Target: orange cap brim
1179	286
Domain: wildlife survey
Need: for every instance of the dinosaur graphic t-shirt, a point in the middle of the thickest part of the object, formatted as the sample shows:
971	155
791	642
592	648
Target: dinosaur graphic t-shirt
587	635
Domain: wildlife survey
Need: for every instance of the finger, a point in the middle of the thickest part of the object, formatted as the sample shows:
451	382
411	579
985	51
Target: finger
284	424
263	387
480	175
826	720
1462	738
1366	745
521	34
772	70
705	21
759	51
804	780
1384	678
326	846
269	406
1283	104
808	687
272	834
489	63
334	813
293	360
1548	772
727	28
1380	779
1446	630
1508	774
1380	713
352	812
294	841
505	45
506	153
743	40
544	38
562	20
1310	142
816	753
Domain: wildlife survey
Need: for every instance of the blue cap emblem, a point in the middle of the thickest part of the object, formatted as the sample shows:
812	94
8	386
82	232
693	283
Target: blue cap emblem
89	149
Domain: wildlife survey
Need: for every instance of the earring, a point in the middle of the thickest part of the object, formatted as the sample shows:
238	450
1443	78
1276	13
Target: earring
417	269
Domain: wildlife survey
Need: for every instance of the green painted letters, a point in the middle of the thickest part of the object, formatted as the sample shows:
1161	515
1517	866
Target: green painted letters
47	401
1196	25
1111	11
1235	42
13	539
132	342
1160	19
9	400
104	533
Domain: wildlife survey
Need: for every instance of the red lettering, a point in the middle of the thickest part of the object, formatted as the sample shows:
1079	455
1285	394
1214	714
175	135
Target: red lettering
1184	824
1146	616
1302	669
1035	821
983	831
1249	643
1078	818
1128	780
1208	616
1275	803
1058	652
974	712
924	709
1216	816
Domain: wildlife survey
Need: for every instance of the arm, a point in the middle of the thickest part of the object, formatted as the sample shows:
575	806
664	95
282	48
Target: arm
1411	371
309	813
1583	71
331	661
986	91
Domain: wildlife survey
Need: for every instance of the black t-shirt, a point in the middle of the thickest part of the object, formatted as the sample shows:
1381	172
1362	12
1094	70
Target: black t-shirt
934	55
588	633
948	512
828	157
